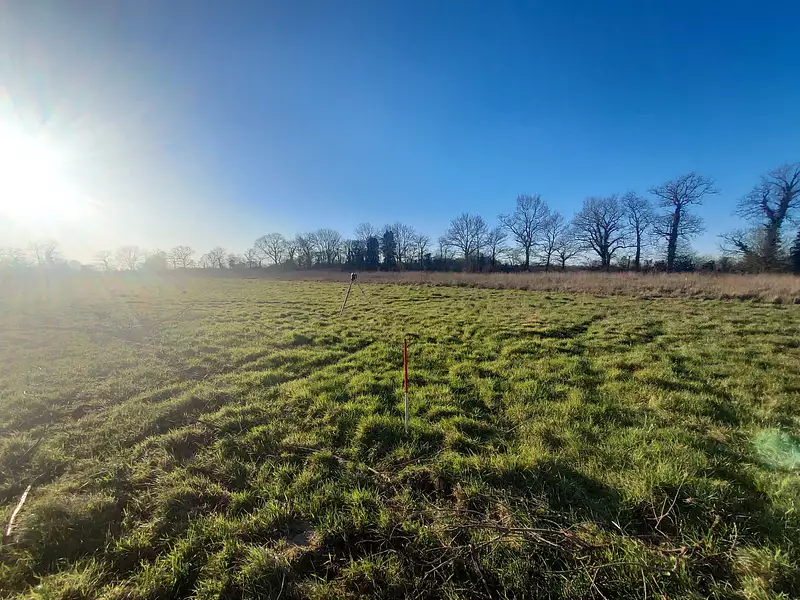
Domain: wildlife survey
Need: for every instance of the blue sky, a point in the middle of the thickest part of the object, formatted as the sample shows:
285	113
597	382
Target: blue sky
210	123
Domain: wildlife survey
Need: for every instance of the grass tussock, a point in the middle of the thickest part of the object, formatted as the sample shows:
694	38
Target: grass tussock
235	438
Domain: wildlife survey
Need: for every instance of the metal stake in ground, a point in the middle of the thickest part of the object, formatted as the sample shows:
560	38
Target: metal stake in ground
353	277
405	376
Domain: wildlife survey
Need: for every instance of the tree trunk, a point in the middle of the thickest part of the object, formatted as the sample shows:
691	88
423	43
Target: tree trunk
770	244
527	258
636	260
672	243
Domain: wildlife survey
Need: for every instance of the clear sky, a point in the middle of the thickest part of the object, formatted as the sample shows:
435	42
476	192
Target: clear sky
205	123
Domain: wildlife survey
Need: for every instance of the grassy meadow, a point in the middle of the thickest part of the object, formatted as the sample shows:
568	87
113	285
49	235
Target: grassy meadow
235	438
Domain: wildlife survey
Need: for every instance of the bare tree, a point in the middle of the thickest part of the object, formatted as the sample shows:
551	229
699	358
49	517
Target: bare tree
421	244
272	246
567	247
305	249
749	245
526	223
690	226
639	214
206	261
364	231
104	260
180	257
445	248
768	205
45	252
678	195
554	229
129	257
495	240
291	250
403	239
328	245
467	234
216	257
252	258
600	226
13	257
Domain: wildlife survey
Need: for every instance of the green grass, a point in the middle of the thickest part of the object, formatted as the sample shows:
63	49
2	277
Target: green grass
234	438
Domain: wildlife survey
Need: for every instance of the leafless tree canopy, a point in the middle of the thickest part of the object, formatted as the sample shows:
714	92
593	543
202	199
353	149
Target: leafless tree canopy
104	260
567	247
690	226
364	231
252	257
421	244
45	252
601	227
526	223
216	258
328	244
555	228
304	243
677	195
404	239
467	234
495	243
129	257
775	197
180	257
639	215
272	247
768	206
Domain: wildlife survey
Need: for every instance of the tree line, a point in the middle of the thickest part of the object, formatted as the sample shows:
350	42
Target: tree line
629	231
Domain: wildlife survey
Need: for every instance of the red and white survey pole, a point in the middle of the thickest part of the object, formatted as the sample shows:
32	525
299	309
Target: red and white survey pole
405	376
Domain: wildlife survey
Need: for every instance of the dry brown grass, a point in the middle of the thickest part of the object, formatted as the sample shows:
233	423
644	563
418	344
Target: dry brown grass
771	288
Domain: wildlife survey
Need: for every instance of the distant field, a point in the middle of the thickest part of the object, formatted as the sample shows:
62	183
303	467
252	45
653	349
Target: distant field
769	287
235	438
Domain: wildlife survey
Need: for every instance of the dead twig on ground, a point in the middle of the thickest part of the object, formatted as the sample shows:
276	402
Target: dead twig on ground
10	526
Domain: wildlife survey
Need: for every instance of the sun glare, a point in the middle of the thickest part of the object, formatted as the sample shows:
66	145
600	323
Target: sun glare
34	186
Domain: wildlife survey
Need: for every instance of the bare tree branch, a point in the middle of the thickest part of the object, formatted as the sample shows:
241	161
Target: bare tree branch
271	246
467	233
768	205
129	257
639	215
601	227
495	240
403	239
364	231
677	195
328	244
554	230
180	257
104	260
526	223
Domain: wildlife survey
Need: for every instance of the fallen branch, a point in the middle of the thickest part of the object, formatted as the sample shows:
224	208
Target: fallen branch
10	527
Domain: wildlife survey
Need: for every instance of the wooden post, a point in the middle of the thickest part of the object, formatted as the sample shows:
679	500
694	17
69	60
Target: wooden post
405	376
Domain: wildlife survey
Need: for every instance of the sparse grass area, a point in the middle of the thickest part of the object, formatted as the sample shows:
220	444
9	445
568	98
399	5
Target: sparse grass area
234	438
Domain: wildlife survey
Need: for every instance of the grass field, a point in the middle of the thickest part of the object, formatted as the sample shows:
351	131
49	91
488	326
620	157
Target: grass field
235	438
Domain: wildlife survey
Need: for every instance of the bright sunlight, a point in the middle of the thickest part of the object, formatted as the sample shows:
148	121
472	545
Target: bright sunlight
34	186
